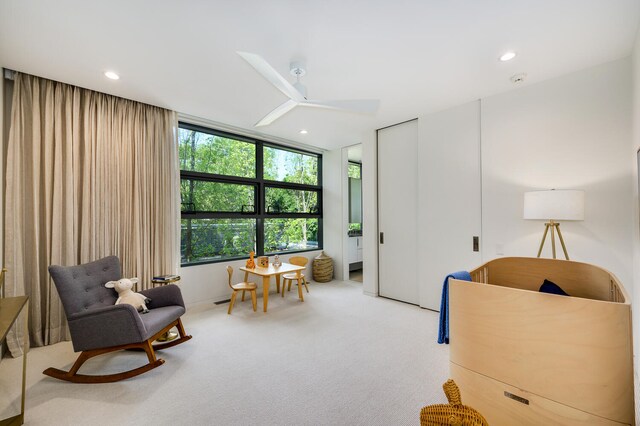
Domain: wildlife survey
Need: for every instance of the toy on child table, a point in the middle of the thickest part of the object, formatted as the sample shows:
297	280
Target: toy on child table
250	263
276	261
123	287
263	262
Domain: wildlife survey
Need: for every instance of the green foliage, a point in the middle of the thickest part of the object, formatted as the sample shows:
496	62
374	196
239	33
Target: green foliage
288	166
204	196
211	239
282	200
290	234
202	152
355	171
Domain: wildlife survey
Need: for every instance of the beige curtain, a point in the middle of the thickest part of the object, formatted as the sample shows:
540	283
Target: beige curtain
87	175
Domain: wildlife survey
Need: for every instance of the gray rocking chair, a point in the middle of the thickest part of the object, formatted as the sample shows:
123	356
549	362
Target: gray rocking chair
98	326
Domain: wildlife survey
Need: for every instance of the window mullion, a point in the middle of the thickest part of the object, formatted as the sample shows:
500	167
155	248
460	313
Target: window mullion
260	199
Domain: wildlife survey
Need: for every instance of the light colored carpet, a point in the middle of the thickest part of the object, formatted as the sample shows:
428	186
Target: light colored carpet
339	358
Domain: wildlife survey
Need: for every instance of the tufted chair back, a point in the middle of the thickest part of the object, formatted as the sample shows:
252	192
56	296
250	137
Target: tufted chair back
82	287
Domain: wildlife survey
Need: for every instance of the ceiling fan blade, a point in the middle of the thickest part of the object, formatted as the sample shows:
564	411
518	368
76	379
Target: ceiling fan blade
366	106
271	75
277	113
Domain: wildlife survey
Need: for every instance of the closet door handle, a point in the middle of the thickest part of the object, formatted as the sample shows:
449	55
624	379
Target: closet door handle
382	238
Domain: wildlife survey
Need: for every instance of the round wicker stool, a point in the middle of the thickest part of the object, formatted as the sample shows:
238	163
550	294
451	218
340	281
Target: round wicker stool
322	268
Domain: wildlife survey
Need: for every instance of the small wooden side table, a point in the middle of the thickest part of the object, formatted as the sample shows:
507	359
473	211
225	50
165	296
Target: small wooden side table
10	309
164	280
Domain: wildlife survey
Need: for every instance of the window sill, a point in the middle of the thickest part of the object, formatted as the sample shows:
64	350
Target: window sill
232	259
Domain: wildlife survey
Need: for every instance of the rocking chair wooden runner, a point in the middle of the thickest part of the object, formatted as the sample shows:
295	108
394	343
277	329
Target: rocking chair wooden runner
98	326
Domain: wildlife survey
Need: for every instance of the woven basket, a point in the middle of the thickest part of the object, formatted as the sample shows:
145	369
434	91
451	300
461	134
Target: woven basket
453	413
322	268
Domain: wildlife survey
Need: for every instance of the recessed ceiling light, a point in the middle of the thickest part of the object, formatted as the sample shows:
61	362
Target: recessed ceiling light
112	75
507	56
303	132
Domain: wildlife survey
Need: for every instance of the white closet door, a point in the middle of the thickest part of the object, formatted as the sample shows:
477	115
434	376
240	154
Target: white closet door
398	261
449	197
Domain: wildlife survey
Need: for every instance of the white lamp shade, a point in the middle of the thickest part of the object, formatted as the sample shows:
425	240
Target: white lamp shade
554	204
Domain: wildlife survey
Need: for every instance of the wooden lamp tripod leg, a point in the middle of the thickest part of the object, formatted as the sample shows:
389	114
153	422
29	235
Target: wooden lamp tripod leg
553	238
564	248
555	227
544	236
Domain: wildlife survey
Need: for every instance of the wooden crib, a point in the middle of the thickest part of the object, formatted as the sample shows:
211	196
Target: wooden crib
524	357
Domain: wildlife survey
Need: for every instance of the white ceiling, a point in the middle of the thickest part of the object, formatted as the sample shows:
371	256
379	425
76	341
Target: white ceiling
416	56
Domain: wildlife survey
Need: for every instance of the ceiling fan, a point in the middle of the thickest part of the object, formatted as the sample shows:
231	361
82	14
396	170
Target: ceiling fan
297	93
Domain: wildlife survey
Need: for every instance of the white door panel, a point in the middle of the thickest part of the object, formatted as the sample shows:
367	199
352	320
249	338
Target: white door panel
398	211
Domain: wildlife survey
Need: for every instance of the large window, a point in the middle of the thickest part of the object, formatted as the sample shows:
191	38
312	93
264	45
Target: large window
241	195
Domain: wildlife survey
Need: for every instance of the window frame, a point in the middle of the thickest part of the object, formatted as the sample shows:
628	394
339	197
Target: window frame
260	184
207	179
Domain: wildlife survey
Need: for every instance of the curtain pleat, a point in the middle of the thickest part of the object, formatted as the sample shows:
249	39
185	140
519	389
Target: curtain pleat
88	175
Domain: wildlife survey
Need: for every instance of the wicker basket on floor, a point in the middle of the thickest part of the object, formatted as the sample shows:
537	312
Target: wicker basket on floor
322	268
453	413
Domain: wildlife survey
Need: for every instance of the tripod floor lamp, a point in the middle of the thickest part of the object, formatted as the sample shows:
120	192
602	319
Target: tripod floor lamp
554	205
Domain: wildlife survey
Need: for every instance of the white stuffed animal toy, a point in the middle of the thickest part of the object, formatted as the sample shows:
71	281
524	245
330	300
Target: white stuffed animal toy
123	286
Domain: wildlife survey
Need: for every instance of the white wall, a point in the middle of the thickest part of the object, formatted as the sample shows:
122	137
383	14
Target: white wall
448	196
369	215
635	146
334	168
571	132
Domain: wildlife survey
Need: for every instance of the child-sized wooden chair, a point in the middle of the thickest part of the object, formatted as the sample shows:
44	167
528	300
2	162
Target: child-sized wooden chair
243	286
298	261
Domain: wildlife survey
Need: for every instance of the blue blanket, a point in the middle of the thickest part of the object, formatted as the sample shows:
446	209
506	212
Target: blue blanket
443	331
